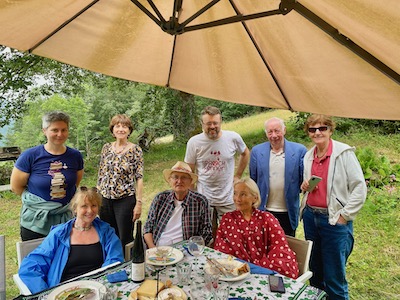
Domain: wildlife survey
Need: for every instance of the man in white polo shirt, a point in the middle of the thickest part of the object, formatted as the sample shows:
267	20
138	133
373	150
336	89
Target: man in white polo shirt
277	168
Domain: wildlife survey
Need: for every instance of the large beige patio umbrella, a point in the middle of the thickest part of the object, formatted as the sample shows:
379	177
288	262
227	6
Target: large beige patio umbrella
282	59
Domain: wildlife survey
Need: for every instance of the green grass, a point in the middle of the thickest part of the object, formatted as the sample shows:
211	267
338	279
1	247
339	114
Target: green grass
374	267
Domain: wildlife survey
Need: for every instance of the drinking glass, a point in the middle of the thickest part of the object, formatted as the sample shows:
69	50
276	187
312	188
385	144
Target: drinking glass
211	282
222	292
198	291
196	246
184	271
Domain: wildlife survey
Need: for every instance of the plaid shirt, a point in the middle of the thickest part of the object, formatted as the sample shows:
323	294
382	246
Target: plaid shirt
195	215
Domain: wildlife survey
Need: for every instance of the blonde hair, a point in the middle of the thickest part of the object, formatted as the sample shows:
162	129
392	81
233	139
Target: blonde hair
253	187
83	193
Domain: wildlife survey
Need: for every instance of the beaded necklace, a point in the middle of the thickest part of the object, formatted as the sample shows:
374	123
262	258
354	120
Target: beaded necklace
120	151
80	228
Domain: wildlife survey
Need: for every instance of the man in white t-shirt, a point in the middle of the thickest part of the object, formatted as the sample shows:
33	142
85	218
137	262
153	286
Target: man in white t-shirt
211	154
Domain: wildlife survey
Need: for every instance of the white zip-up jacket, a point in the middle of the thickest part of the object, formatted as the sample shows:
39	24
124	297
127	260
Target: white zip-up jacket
346	187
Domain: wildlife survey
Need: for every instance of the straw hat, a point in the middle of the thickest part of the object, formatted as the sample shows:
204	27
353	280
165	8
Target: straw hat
180	167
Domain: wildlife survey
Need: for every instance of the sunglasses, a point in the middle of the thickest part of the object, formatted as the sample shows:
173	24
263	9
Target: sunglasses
85	189
321	129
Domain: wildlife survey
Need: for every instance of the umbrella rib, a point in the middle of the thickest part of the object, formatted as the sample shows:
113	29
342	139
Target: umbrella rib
344	40
148	13
234	19
263	58
201	11
172	59
62	25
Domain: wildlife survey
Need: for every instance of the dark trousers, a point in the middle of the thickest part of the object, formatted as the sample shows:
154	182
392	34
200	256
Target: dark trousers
119	213
283	218
27	235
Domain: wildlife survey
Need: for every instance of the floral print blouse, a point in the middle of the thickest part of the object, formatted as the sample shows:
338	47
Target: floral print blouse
260	241
119	172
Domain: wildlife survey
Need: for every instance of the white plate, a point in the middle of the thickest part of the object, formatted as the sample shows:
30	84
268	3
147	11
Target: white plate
176	291
78	284
232	264
175	257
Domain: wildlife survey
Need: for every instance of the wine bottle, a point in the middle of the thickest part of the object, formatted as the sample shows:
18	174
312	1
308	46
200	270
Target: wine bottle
138	268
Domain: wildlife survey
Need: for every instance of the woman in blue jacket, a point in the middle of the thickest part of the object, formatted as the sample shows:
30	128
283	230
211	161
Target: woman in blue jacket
78	246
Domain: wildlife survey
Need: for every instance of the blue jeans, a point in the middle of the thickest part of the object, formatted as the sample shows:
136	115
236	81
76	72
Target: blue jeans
332	245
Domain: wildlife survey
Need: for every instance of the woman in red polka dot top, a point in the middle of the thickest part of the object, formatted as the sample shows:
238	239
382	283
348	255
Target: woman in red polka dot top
254	235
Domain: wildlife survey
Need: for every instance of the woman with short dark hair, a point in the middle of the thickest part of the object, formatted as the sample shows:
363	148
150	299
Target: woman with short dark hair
120	179
46	177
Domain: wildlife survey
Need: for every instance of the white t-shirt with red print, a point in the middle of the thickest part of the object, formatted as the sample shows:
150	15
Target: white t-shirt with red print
215	164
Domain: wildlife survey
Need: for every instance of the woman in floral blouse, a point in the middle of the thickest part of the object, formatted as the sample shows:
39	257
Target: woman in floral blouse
254	235
120	179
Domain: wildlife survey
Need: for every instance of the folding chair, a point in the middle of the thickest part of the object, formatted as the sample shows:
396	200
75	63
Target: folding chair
23	249
302	249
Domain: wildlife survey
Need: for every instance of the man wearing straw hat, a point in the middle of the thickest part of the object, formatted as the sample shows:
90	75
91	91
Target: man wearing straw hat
180	213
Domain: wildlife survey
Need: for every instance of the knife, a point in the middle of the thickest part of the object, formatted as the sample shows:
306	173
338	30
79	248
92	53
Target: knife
220	267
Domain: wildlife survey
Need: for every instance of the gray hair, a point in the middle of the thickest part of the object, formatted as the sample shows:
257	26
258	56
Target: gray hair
253	187
54	116
282	123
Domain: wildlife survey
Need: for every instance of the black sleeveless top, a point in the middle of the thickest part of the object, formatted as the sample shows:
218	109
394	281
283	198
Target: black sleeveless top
83	259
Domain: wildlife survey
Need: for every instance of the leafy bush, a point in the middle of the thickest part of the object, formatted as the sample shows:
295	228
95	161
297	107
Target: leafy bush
383	200
345	125
378	171
5	172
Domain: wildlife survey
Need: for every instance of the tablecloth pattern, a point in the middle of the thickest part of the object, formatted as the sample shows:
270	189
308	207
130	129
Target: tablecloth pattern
253	287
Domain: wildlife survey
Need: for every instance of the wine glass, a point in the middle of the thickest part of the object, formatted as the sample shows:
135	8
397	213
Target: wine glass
196	246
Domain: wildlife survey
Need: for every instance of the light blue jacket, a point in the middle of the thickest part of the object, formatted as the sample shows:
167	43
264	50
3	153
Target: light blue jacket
40	215
259	172
44	266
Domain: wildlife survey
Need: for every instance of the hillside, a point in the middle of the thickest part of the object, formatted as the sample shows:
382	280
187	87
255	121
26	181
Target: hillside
375	261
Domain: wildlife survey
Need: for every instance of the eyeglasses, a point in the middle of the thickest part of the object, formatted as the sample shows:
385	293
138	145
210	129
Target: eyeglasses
176	178
85	189
209	124
321	128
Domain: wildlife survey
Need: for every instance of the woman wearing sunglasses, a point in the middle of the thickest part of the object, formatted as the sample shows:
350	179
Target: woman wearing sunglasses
329	209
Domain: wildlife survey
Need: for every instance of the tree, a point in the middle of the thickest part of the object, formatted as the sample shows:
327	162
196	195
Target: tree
182	115
108	97
22	72
27	132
